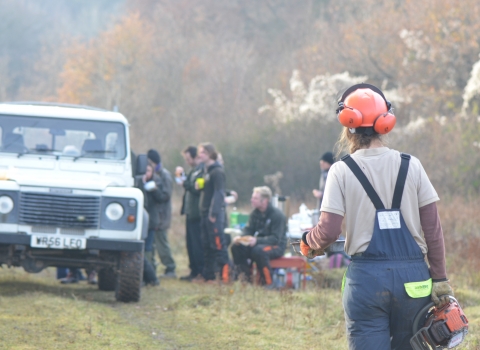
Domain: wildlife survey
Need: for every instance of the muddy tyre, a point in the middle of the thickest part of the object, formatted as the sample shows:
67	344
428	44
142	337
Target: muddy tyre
129	277
107	280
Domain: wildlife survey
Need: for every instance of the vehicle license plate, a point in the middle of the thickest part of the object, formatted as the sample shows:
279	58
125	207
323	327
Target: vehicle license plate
58	242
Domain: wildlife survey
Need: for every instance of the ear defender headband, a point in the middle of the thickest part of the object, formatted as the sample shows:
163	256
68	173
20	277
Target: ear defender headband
371	121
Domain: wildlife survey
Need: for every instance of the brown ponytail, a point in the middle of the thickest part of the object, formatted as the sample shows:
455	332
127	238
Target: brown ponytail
348	142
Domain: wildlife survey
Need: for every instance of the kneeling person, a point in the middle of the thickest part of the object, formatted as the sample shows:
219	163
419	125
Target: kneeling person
263	238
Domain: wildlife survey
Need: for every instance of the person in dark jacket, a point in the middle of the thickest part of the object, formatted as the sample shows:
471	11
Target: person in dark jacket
263	239
191	209
326	162
163	194
149	275
212	209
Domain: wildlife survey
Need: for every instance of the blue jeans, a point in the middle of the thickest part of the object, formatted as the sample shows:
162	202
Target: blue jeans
149	241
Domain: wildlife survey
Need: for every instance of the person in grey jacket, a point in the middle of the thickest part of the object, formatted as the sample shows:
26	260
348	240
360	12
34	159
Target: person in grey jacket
163	193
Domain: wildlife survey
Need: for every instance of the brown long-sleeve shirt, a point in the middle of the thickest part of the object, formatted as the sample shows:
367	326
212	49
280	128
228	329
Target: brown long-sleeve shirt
329	229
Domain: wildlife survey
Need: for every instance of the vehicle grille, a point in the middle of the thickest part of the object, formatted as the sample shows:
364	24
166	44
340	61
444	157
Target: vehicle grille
69	211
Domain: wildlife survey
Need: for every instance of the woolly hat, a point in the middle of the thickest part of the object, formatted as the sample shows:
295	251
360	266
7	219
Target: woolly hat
328	157
154	156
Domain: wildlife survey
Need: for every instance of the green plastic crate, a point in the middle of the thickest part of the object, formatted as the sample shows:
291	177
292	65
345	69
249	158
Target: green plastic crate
238	220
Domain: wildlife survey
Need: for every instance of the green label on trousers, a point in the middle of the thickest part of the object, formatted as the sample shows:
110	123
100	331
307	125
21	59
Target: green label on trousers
419	289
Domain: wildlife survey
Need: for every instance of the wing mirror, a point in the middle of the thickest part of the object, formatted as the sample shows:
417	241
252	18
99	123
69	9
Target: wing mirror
142	162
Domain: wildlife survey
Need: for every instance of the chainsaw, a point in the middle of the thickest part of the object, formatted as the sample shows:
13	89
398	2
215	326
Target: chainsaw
439	328
335	247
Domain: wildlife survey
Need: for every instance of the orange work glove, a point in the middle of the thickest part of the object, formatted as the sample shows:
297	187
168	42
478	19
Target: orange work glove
306	250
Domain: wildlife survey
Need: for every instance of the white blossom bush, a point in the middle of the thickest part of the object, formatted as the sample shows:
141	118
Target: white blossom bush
418	43
317	101
472	88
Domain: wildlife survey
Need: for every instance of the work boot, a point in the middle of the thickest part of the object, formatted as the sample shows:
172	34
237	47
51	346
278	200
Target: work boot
71	278
270	286
187	278
92	277
154	283
169	274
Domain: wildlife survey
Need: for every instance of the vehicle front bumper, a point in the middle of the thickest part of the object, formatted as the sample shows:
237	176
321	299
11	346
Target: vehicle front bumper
92	243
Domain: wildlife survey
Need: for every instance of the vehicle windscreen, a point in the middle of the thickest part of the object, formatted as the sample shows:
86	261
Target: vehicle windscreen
62	137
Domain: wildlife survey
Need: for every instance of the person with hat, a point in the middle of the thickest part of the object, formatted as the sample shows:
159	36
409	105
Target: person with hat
163	192
387	200
326	162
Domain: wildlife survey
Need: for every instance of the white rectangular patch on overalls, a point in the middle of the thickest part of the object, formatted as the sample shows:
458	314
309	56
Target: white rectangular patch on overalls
389	220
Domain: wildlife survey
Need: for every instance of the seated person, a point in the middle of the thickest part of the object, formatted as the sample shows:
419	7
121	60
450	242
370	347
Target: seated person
263	238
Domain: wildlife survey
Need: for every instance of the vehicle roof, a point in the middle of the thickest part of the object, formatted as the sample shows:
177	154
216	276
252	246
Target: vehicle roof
35	109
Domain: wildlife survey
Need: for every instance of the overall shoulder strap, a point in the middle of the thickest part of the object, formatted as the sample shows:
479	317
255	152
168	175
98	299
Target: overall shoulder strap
401	178
367	186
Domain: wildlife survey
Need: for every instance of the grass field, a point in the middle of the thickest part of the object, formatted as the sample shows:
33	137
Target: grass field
37	312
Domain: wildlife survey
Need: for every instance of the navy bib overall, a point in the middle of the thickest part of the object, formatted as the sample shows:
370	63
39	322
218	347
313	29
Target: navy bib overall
378	310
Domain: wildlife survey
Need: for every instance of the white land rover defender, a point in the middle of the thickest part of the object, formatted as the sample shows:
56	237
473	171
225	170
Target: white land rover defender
66	194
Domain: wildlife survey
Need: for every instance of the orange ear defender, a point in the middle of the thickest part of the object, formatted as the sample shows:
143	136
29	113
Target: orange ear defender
364	110
384	123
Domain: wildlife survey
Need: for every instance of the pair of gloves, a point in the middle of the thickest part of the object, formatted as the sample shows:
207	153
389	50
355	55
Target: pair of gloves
441	290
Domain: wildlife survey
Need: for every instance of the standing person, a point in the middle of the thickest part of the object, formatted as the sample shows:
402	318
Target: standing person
231	197
263	239
152	201
212	208
191	209
387	200
165	187
326	162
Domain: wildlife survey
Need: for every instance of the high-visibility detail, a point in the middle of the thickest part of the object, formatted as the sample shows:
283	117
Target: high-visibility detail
218	243
419	289
266	274
267	248
343	279
225	273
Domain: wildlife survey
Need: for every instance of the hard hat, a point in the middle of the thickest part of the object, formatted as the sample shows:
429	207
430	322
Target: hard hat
439	328
364	110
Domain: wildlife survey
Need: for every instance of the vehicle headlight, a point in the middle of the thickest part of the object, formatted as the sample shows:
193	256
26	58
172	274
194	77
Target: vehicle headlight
114	211
6	204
